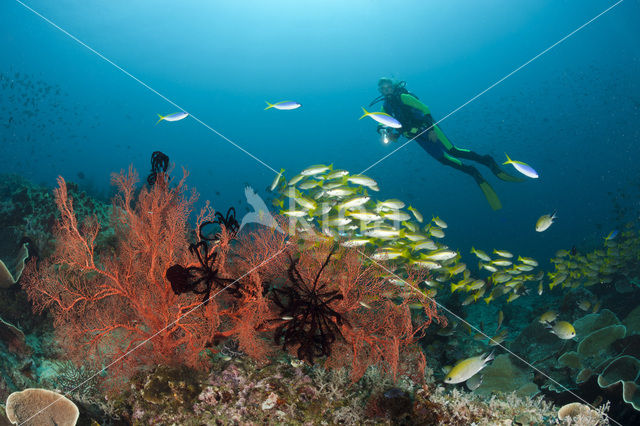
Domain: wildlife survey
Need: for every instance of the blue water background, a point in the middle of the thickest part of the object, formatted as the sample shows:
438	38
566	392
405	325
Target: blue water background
573	114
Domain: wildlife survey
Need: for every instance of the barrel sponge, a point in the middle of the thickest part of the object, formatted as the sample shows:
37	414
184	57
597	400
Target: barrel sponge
41	407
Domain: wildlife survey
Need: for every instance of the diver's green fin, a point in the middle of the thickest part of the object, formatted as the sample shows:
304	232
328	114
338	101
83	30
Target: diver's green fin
508	178
490	195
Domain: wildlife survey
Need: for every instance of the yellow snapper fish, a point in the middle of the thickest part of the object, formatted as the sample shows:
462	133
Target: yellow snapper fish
545	221
488	267
363	215
387	254
512	297
441	255
391	204
416	214
457	269
467	368
501	262
427	264
364	181
436	232
458	285
563	330
336	174
503	253
337	221
276	180
295	179
356	242
340	191
413	236
481	255
396	215
469	300
294	213
425	245
476	285
528	261
310	184
411	226
441	223
353	202
317	169
524	268
384	233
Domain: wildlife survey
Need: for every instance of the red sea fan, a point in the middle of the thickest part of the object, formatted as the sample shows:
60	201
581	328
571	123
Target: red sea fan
110	303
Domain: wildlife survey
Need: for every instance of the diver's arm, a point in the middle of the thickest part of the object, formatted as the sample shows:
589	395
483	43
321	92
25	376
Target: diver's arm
413	102
427	119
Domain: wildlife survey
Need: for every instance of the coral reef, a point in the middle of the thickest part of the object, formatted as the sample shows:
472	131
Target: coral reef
32	407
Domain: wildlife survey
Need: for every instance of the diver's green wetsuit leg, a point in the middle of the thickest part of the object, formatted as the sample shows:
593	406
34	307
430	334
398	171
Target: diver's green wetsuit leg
467	154
487	190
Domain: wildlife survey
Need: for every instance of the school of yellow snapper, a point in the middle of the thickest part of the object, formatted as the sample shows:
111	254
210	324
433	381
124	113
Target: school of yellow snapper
325	203
340	206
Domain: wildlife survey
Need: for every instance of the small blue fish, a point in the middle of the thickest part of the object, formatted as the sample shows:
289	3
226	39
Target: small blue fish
611	235
523	168
382	118
284	105
176	116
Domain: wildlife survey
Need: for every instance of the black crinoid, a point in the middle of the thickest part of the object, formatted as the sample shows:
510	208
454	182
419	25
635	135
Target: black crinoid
229	222
200	279
309	321
159	164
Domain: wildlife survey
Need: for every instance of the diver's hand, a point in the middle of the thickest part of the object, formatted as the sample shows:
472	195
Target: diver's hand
431	134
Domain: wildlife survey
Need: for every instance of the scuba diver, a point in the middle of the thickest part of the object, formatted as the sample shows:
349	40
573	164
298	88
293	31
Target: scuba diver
415	118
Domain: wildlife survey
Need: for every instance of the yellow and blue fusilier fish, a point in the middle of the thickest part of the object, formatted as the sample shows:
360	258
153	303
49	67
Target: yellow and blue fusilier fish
283	105
523	168
612	235
382	118
176	116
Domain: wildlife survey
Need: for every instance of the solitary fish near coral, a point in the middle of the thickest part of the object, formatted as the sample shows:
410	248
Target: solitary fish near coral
563	330
523	168
467	368
545	221
284	105
176	116
382	118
